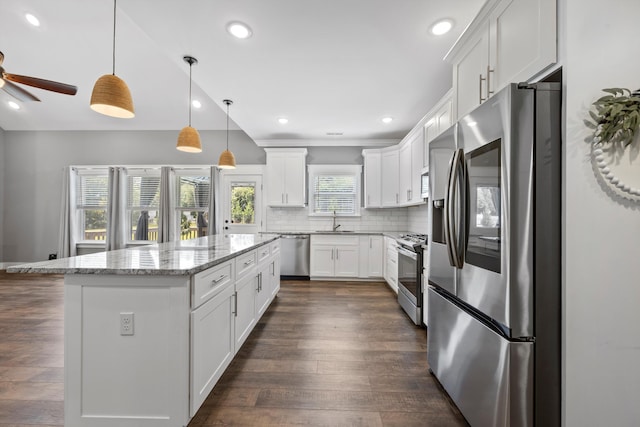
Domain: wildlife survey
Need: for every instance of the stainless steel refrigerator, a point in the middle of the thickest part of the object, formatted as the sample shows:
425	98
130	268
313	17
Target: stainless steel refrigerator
493	340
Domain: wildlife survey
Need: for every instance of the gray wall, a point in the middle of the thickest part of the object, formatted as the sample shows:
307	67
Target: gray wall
2	202
33	163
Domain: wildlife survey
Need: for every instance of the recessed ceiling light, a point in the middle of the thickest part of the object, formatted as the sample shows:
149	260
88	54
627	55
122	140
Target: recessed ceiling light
283	120
13	105
196	103
32	20
441	27
239	30
387	120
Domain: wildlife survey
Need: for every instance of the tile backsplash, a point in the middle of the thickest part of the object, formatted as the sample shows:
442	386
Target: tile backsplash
417	220
288	219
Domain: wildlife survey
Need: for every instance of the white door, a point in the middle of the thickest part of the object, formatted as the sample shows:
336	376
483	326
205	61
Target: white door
241	204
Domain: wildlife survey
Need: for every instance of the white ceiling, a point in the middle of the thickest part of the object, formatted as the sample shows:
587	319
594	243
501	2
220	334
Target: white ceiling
326	65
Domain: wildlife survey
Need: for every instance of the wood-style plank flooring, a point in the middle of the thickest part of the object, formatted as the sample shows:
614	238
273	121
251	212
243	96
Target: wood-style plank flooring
324	354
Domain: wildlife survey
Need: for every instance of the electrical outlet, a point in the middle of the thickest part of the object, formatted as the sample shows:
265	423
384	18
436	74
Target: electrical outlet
126	323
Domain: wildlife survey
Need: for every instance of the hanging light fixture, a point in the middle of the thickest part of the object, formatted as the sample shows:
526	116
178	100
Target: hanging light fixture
111	95
189	138
227	159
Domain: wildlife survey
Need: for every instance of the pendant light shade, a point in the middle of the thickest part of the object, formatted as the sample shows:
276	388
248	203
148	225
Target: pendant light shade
227	159
189	138
111	95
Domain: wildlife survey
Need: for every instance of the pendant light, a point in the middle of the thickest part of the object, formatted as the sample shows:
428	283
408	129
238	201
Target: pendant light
111	95
189	138
227	160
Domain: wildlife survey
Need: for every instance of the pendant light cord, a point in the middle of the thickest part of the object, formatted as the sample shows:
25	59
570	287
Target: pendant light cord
190	67
227	126
114	37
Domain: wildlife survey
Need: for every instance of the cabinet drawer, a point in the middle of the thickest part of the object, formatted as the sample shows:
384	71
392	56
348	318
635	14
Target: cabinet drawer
209	283
245	264
275	247
263	253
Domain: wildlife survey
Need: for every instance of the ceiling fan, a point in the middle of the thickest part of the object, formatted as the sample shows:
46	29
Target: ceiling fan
17	92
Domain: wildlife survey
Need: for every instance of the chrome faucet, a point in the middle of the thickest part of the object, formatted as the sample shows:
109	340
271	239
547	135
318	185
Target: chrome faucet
335	227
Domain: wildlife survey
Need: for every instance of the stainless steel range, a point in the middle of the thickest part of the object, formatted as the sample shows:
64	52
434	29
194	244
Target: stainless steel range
410	252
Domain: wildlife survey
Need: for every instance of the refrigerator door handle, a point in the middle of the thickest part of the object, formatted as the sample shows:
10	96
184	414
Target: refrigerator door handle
457	192
451	239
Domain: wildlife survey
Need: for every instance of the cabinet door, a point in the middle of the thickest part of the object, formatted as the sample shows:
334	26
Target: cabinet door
212	344
372	180
263	290
470	89
390	167
245	308
275	276
275	179
346	261
295	178
404	172
417	155
444	119
376	256
525	40
321	262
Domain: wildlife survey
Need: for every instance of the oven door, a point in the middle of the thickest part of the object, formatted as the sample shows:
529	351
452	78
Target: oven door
408	279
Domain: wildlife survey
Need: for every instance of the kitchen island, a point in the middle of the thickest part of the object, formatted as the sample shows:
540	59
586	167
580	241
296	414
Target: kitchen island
150	330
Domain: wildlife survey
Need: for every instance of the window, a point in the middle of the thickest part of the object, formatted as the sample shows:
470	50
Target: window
334	189
92	195
192	204
143	201
243	195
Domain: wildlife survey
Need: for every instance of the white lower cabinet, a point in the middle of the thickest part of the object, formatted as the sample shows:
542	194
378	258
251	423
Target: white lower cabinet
391	259
263	289
371	256
245	308
212	344
334	256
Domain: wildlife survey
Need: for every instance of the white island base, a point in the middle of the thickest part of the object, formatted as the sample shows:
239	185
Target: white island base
146	341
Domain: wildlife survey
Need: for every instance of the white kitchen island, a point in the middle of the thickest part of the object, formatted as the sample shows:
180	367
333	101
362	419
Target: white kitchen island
150	330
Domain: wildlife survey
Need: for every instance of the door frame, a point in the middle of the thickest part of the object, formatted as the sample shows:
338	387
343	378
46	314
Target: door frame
225	174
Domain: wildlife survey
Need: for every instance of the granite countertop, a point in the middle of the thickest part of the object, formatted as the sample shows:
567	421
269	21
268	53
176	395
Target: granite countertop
392	234
185	257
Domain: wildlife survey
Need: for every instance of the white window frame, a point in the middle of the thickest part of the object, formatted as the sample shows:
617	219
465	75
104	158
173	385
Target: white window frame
79	210
193	171
336	170
154	171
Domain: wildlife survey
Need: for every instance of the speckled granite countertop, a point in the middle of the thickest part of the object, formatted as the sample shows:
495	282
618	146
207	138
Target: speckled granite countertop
185	257
392	234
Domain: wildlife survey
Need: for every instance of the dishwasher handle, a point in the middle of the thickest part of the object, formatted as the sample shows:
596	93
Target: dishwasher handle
295	236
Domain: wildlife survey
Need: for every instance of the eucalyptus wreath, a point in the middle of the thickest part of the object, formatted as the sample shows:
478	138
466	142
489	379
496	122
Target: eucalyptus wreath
615	117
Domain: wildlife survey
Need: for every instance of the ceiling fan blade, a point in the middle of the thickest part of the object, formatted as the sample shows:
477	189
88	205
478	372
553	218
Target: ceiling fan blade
16	91
42	84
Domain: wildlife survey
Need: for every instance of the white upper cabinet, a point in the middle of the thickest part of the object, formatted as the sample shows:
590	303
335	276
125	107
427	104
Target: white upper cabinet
286	176
372	178
390	176
437	121
404	171
509	41
411	155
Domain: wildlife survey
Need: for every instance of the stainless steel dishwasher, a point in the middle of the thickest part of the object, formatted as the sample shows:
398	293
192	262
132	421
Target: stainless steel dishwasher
294	255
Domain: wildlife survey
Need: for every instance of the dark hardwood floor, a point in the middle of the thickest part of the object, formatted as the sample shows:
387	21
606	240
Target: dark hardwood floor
324	354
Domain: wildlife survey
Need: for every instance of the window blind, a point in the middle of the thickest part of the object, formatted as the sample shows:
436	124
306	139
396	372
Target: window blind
143	191
92	191
335	193
193	192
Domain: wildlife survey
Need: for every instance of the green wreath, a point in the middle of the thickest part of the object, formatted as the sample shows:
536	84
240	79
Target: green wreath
616	117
